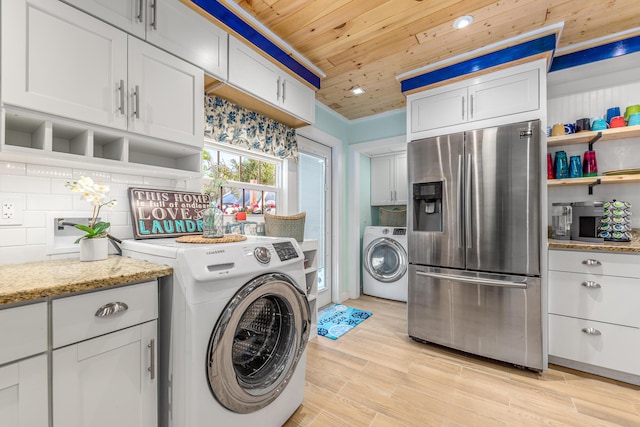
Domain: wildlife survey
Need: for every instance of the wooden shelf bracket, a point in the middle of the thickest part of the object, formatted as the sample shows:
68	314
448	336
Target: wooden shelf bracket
597	182
593	141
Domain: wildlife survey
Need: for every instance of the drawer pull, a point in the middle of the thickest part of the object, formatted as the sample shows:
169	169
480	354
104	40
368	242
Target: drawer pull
591	331
111	309
591	284
591	262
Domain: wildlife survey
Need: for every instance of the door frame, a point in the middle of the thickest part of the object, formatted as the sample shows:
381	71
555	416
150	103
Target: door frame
338	292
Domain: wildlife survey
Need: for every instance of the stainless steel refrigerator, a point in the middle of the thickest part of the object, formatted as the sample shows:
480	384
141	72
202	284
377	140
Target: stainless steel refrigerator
474	242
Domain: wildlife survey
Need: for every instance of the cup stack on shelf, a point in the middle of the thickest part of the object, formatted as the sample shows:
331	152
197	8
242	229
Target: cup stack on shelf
615	225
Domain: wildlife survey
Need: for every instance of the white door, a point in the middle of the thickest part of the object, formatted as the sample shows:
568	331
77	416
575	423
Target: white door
298	98
504	96
180	30
61	61
107	381
166	95
251	72
128	15
314	198
24	393
382	180
401	179
440	109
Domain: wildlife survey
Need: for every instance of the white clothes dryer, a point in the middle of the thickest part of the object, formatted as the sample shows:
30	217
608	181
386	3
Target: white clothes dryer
384	259
233	327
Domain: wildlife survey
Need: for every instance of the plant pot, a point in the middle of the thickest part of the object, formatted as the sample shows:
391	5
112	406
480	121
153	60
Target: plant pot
241	216
94	249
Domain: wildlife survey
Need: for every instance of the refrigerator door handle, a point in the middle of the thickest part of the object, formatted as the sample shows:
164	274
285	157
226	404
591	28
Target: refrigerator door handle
460	202
475	280
467	202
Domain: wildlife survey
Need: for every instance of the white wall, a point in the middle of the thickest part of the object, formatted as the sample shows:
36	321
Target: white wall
588	91
42	190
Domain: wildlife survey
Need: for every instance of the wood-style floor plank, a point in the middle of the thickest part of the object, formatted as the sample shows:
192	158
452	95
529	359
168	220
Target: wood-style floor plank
376	376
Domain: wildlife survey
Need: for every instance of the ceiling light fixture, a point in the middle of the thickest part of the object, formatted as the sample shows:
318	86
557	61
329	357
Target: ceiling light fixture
357	90
462	22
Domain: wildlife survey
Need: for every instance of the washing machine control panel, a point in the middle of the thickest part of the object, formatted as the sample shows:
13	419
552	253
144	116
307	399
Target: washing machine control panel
285	251
262	254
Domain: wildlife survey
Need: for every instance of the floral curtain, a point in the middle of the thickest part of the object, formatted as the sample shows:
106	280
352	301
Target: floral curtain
229	123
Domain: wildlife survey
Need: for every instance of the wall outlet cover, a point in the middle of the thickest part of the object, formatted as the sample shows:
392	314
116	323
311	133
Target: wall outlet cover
11	209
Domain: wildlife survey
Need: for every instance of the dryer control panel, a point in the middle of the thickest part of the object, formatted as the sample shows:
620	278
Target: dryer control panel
285	251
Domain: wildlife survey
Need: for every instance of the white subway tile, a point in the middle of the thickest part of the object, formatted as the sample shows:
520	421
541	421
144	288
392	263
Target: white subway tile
49	171
52	202
12	236
101	177
36	236
129	180
32	219
162	183
12	168
25	184
20	254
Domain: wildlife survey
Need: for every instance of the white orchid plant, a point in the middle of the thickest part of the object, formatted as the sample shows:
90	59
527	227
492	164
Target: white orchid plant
96	194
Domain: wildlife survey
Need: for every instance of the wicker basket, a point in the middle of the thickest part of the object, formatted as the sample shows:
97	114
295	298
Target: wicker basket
393	217
285	226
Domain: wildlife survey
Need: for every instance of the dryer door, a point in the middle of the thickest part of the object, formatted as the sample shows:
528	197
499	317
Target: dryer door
385	260
257	342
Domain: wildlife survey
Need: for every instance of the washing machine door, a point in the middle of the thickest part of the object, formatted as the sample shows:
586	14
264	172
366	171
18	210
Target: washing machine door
385	260
257	342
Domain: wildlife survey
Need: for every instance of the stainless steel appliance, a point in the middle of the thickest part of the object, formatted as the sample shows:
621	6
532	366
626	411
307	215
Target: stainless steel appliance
474	242
586	221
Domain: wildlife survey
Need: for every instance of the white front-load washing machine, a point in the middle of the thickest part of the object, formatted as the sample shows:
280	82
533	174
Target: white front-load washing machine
233	327
384	259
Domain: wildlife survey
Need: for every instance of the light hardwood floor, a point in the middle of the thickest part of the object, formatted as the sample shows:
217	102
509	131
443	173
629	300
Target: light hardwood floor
375	375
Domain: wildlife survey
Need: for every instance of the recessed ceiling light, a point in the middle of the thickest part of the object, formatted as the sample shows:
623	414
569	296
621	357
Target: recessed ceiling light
462	22
357	90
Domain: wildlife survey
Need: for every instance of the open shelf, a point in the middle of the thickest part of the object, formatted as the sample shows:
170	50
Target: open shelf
586	137
592	180
43	139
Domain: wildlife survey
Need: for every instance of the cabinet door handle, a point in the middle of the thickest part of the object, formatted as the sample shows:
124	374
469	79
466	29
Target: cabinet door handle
471	106
139	16
591	284
284	89
462	108
154	15
121	90
591	331
111	308
152	354
136	99
278	90
591	262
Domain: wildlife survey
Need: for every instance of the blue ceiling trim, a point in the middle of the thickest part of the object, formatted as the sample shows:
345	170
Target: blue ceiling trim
231	20
509	54
597	53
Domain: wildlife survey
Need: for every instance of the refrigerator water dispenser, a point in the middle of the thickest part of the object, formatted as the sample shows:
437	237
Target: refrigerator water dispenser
427	215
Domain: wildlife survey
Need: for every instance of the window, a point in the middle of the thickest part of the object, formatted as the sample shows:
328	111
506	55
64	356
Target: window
250	182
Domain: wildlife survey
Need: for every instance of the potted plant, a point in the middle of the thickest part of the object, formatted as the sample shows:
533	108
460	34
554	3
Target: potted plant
94	245
241	214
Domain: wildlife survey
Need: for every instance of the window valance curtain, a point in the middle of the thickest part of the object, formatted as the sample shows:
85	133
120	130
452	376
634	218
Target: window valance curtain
229	123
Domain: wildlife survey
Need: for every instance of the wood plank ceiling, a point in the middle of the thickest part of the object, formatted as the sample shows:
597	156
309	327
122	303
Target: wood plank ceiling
368	42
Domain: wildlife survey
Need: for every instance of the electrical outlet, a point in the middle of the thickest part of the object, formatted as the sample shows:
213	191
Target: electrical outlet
11	210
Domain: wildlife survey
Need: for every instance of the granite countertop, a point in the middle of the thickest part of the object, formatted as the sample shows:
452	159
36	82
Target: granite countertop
632	246
30	281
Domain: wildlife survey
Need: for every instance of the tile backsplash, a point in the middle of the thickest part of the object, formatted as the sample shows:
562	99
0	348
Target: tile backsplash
41	190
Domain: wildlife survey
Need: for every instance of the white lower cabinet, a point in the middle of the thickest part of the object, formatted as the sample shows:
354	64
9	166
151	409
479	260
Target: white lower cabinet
107	381
104	358
23	366
594	322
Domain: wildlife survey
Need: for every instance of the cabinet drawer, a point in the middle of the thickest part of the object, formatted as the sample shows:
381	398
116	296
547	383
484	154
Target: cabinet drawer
611	264
76	318
23	331
596	297
616	347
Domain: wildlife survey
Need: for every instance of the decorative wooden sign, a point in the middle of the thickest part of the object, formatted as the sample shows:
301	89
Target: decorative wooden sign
161	213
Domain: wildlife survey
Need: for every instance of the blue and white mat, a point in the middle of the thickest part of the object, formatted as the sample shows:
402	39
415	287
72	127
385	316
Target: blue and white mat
336	320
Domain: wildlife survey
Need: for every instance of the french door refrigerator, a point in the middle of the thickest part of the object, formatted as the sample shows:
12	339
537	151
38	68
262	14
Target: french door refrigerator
474	242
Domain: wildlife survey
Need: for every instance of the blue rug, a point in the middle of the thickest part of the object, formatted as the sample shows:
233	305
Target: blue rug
336	320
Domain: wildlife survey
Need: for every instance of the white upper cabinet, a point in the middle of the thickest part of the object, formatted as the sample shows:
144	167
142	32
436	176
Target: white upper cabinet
61	61
167	24
389	180
166	95
58	60
498	94
128	15
252	73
